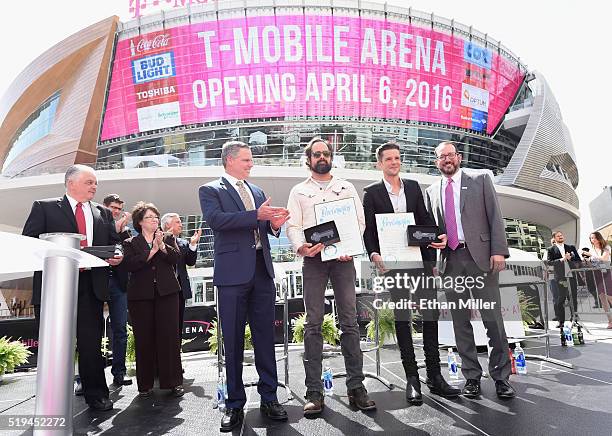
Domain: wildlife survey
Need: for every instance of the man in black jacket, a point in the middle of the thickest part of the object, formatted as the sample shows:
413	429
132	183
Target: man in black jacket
396	195
562	255
117	288
171	222
76	213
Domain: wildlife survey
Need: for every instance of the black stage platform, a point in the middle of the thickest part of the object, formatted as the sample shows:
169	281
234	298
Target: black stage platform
551	400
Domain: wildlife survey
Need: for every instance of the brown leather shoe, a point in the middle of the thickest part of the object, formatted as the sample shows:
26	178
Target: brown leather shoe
315	403
358	397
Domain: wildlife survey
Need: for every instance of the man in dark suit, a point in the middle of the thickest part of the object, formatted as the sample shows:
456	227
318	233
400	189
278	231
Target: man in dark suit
241	218
396	195
117	288
561	255
76	213
171	222
466	209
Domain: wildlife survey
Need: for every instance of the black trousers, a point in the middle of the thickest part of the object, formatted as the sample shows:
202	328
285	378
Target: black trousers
90	328
563	295
181	315
403	327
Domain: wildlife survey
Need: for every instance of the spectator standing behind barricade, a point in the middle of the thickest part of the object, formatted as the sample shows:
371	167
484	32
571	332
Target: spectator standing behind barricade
188	254
563	257
466	209
153	302
76	213
117	287
321	186
600	256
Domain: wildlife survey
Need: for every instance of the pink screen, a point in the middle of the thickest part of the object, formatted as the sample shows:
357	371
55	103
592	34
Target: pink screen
298	65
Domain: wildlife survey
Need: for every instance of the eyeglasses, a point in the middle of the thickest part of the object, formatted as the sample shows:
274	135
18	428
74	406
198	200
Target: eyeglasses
151	217
451	156
318	154
117	208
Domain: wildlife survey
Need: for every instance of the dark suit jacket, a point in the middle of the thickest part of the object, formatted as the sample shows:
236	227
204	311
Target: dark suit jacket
481	218
376	200
186	257
143	274
233	228
55	215
555	256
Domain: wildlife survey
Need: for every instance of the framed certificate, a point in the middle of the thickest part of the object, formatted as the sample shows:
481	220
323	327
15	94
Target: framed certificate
344	213
394	248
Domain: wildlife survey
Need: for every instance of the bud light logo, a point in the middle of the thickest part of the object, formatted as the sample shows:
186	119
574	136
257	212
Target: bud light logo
477	55
154	67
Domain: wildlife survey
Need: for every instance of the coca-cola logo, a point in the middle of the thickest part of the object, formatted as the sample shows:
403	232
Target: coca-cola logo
144	45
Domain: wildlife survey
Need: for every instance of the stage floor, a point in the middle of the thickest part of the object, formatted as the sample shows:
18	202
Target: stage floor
551	400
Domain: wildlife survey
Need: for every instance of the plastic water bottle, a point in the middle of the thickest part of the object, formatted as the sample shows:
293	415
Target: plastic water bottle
328	381
569	340
521	363
575	335
562	331
221	394
580	335
453	368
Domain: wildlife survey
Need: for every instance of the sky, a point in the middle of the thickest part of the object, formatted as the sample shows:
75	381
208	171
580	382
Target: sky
566	41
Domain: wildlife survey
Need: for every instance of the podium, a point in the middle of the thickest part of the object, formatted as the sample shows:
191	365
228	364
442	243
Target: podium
59	257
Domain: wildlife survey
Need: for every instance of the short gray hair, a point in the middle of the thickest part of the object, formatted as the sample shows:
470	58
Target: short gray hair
165	220
231	148
443	143
74	170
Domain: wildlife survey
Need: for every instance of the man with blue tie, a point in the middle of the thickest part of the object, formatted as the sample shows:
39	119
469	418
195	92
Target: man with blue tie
241	218
466	209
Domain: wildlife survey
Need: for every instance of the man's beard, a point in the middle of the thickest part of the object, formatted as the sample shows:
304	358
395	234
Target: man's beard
449	172
321	167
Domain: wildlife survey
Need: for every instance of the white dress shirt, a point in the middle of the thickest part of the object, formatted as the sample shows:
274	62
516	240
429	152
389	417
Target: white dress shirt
233	180
88	217
457	200
397	200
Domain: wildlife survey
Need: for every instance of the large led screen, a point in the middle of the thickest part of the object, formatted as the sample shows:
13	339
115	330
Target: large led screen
298	65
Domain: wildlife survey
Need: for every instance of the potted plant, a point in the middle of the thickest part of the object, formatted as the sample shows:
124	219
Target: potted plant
386	327
529	309
212	340
331	334
12	354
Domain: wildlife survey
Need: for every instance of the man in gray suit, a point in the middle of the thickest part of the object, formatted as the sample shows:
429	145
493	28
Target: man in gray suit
466	209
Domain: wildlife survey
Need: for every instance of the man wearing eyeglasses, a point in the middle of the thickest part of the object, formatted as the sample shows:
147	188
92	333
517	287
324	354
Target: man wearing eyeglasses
321	186
117	287
466	209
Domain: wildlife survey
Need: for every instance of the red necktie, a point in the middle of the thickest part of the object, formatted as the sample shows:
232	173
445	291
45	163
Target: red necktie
80	219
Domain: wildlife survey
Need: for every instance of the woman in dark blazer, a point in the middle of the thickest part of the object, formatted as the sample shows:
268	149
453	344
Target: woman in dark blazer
153	302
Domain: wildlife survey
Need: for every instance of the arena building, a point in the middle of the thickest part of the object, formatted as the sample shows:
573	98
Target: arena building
150	102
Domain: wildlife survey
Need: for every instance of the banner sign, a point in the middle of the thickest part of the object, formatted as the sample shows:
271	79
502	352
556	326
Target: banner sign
305	65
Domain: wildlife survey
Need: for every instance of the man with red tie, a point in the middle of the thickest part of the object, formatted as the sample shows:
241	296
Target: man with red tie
76	213
465	207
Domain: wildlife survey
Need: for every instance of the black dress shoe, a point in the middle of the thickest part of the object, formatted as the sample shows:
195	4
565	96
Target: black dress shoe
101	404
413	390
177	391
358	397
273	410
471	388
122	381
438	386
231	419
504	390
78	388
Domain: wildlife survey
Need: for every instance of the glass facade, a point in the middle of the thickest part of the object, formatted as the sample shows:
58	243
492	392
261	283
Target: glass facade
34	128
281	142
